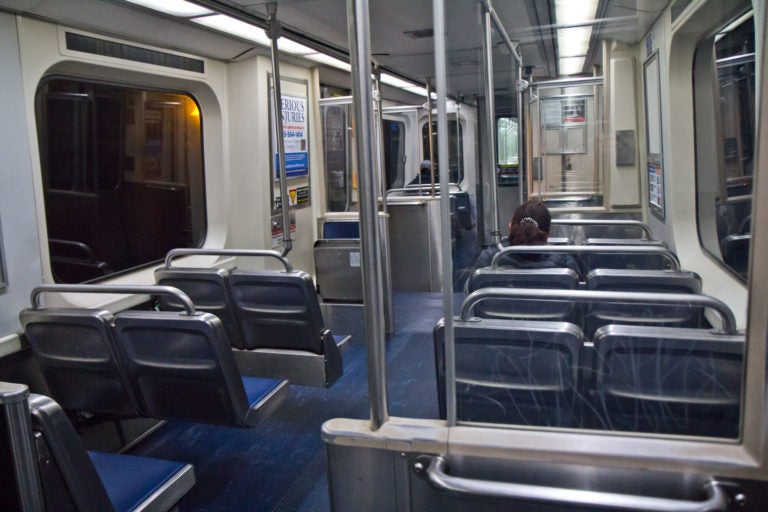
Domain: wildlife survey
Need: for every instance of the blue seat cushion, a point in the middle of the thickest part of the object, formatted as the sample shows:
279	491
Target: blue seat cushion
338	338
257	388
129	480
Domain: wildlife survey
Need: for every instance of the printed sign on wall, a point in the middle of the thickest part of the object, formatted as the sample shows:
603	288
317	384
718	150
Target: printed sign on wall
294	109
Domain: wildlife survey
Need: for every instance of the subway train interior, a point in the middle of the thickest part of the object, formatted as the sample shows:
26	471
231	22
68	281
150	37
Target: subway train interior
207	306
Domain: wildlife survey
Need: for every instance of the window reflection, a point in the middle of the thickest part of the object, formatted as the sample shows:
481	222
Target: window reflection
734	114
123	176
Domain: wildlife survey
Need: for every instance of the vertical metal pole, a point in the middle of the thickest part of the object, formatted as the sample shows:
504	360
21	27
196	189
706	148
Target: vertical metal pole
431	139
15	401
438	22
274	32
490	112
381	173
378	138
373	286
459	146
520	138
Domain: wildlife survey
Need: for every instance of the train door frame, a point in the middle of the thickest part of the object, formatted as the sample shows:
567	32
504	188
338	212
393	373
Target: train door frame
383	461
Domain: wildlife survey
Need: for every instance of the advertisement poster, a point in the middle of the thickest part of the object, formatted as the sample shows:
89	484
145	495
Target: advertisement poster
294	109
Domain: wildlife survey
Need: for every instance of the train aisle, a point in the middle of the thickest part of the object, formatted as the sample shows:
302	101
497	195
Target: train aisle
280	465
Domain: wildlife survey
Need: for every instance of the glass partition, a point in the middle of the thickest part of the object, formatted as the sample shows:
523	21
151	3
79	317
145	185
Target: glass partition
589	338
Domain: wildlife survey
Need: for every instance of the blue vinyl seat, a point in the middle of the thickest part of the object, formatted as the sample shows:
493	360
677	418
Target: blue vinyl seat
67	477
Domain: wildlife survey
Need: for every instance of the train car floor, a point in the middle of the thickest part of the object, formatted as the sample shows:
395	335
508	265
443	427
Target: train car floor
280	465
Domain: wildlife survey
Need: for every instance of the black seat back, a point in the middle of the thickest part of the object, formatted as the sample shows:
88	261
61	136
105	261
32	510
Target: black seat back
182	366
278	310
650	281
209	290
545	278
75	351
514	372
70	481
669	380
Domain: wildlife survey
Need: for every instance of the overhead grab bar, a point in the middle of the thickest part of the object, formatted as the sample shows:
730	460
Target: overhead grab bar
725	313
716	499
124	289
588	249
173	253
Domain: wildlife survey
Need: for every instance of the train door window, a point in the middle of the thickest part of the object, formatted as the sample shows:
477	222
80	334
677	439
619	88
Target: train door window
122	176
339	179
724	91
568	164
455	147
507	152
394	153
506	139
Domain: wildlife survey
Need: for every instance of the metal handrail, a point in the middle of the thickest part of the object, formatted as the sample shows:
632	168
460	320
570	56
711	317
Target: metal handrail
718	306
716	498
123	289
226	252
588	249
605	222
419	188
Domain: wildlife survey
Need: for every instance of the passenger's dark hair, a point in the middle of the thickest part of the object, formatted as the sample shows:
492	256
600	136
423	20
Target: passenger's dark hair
530	224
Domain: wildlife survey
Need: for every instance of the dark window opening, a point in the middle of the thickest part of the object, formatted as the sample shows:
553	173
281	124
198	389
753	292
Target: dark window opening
122	176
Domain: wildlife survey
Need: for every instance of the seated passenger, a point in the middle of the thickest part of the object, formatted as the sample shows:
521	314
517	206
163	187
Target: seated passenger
530	225
425	174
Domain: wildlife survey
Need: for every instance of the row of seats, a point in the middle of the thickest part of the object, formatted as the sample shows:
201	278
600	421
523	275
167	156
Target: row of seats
596	231
272	317
632	378
644	256
592	315
44	466
157	364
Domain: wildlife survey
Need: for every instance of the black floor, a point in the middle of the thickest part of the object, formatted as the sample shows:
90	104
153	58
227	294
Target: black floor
280	465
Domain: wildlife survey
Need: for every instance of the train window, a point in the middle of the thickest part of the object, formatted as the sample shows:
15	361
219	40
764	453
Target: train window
394	153
337	156
455	147
506	139
122	176
724	141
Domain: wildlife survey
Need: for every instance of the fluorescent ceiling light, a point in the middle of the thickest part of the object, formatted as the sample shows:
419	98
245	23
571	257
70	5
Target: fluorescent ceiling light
573	40
294	48
253	33
329	61
234	27
174	7
415	89
394	81
570	65
573	12
735	24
